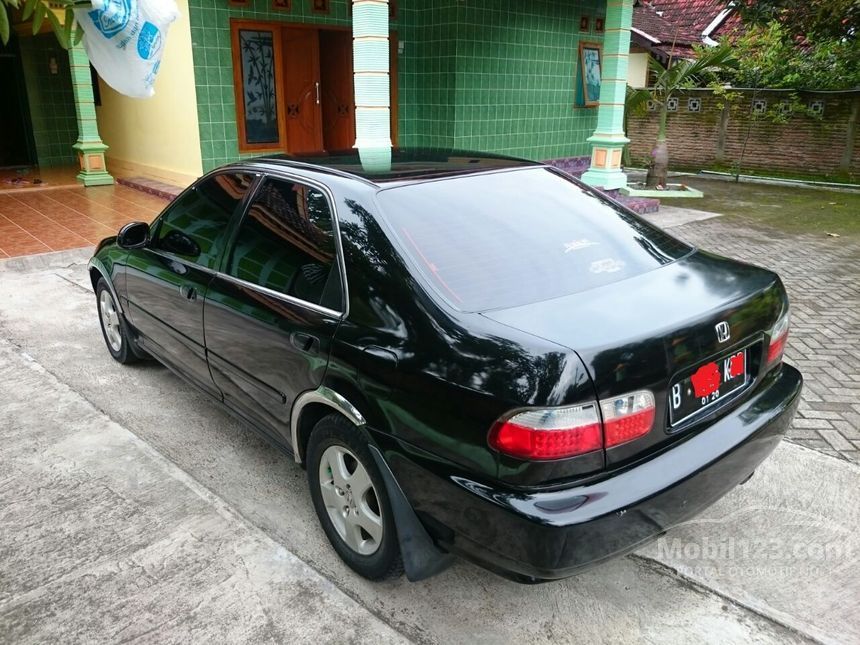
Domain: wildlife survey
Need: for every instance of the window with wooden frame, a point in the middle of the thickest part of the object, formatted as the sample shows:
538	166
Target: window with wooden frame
257	77
589	74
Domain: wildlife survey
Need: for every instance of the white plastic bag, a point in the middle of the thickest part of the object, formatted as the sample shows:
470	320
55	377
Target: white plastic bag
125	39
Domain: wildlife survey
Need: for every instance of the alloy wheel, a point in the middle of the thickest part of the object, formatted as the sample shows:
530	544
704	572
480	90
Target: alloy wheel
110	321
350	500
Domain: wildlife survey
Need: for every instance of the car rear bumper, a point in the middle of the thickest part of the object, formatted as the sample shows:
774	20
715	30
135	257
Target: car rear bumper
548	535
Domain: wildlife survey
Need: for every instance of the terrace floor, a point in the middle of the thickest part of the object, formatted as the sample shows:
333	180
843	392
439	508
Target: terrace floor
56	218
34	178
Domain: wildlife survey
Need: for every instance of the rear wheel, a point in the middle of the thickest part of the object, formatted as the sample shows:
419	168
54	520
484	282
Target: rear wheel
114	328
351	501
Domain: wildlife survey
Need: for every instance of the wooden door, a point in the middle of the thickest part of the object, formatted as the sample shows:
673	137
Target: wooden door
302	98
338	98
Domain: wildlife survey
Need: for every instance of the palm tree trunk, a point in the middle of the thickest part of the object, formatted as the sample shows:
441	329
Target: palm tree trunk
659	170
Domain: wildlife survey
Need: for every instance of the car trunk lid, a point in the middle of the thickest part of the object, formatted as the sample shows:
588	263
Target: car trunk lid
656	329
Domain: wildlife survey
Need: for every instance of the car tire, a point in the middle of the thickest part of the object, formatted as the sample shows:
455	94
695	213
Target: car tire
114	328
351	500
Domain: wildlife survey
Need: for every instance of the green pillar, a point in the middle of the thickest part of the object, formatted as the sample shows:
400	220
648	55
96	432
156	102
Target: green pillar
371	71
89	146
608	139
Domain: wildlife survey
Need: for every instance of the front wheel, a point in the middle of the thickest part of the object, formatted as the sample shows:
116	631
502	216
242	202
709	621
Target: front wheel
351	501
114	329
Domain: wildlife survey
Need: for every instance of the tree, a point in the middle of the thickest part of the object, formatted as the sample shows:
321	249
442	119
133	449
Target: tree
68	32
770	56
679	75
815	19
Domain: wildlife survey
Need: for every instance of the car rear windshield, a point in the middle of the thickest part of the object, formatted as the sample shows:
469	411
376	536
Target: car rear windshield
505	239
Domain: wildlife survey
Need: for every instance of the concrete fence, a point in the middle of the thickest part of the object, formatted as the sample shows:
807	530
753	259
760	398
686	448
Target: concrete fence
779	131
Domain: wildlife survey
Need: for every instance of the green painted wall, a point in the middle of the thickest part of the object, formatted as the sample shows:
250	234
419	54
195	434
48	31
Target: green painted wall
52	103
490	75
428	90
213	65
496	76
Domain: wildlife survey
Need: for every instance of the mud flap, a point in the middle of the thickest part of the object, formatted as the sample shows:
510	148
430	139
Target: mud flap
421	557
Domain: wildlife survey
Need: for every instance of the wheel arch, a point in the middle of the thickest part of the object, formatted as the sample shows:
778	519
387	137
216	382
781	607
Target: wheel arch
98	270
310	407
421	557
95	275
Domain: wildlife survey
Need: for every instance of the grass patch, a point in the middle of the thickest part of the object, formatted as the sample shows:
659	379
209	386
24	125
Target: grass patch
793	209
839	178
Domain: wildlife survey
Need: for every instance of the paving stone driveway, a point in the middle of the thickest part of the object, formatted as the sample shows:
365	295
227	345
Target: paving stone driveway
822	275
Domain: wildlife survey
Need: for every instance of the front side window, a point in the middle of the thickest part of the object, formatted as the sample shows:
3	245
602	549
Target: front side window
286	243
194	225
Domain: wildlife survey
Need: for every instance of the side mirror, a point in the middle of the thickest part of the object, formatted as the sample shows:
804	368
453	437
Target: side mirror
133	235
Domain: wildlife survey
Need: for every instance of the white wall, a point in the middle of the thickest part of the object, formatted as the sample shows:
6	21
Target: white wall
637	68
157	137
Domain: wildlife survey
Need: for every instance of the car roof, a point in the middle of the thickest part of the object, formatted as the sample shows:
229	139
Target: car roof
407	164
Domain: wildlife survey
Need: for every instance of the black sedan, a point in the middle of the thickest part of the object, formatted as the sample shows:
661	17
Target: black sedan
470	354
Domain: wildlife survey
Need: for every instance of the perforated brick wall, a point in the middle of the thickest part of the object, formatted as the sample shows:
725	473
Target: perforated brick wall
828	146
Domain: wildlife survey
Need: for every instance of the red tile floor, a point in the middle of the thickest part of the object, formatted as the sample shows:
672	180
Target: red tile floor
33	177
34	220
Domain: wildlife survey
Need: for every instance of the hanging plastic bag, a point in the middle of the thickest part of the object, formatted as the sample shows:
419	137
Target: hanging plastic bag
125	39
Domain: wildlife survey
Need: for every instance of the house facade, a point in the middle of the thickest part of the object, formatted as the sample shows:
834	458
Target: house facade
670	29
543	80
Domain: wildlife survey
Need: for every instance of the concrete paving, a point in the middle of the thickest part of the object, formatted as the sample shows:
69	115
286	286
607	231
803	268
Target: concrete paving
671	216
103	539
775	561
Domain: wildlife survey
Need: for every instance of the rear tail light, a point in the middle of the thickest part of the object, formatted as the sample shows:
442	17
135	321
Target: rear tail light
627	417
558	433
549	433
778	339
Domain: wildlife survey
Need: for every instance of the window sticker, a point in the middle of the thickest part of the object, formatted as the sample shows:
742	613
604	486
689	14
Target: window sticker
606	265
576	245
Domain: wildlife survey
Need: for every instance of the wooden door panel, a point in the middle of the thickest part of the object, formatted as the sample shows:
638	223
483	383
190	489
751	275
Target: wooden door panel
301	90
338	98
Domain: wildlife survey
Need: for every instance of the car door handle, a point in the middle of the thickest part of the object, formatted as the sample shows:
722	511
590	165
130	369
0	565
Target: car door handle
305	342
188	292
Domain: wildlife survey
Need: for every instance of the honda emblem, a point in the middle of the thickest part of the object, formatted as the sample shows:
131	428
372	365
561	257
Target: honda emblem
723	331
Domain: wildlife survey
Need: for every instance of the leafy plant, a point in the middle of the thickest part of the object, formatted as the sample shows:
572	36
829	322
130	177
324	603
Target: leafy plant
635	104
68	32
725	96
678	75
815	19
771	56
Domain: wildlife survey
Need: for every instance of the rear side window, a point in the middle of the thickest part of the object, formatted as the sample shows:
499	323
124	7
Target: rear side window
505	239
286	243
194	225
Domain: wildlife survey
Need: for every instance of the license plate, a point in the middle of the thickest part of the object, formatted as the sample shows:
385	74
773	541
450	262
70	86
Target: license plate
709	384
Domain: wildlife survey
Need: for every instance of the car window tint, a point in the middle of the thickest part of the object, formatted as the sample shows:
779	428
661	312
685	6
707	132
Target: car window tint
510	238
194	225
286	243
